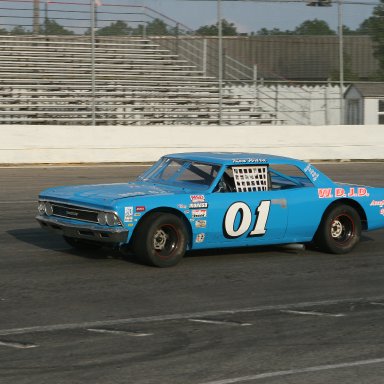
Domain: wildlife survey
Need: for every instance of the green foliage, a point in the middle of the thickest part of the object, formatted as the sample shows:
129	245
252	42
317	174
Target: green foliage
228	29
309	27
314	27
18	30
118	28
51	27
374	27
272	32
157	27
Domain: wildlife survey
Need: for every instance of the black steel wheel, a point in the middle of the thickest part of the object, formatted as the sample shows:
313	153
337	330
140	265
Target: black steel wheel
340	230
160	240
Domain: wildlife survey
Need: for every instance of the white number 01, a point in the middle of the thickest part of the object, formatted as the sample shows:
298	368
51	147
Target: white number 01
242	209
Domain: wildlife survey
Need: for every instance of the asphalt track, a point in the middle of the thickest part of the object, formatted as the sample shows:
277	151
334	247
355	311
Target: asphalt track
267	315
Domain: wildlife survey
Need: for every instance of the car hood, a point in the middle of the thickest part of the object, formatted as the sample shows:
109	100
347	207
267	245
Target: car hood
105	193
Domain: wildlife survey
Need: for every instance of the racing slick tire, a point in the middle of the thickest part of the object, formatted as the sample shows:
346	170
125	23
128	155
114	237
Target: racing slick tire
83	245
160	240
339	230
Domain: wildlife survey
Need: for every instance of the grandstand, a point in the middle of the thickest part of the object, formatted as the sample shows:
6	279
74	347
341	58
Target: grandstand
117	81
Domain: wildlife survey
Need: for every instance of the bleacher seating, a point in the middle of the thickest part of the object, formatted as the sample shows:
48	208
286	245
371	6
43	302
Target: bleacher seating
50	80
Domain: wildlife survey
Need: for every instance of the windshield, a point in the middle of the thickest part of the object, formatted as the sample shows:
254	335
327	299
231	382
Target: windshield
181	172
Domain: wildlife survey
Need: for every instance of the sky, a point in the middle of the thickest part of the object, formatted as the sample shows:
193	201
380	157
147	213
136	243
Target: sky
251	16
248	15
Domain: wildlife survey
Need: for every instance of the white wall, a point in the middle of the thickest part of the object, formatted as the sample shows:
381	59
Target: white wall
86	144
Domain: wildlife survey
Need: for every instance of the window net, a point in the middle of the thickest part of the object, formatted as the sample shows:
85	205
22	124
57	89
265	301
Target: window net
253	178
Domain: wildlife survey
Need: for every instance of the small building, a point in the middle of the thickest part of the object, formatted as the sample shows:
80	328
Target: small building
364	104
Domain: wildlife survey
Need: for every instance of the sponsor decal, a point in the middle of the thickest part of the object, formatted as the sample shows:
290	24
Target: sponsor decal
328	193
201	223
198	205
197	198
140	208
197	213
382	211
377	203
137	214
250	160
128	214
181	206
200	238
314	175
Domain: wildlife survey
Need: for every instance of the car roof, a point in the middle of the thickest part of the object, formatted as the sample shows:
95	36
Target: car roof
233	158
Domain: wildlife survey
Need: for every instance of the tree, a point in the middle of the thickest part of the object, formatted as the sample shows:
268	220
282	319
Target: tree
157	27
51	27
18	30
314	27
228	29
271	32
118	28
374	27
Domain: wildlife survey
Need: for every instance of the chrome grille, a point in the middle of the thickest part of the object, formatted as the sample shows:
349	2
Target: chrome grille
73	212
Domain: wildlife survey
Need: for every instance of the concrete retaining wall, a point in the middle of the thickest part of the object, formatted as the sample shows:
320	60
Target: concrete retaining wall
85	144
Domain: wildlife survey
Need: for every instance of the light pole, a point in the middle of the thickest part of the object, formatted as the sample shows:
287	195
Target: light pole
341	57
220	49
93	74
36	17
328	3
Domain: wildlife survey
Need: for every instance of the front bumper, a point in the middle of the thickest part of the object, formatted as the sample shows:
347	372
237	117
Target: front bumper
87	231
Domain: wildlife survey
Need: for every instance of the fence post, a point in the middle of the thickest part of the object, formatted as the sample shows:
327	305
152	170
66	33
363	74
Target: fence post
256	85
93	26
205	46
177	38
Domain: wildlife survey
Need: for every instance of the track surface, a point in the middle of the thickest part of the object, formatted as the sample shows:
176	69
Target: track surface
274	315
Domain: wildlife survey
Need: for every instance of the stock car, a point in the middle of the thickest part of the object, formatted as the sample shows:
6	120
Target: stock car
207	200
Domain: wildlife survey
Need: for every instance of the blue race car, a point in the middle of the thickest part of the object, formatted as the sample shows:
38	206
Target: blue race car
214	200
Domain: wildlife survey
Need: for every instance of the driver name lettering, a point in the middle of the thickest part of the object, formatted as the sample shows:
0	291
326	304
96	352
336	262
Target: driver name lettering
312	172
245	161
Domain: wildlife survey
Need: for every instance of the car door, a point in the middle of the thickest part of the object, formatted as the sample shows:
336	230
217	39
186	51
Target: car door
247	214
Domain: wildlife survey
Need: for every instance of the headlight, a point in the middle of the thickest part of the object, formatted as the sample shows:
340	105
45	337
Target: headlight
102	218
41	207
112	219
108	218
48	209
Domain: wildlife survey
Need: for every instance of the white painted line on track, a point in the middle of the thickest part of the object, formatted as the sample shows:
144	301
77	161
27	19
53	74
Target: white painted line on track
117	332
312	313
375	303
289	372
220	322
9	202
13	344
179	316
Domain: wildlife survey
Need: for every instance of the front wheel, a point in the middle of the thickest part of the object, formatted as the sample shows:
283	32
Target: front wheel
160	240
340	230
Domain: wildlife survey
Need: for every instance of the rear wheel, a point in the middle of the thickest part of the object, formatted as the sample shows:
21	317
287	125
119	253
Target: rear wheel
160	240
340	230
